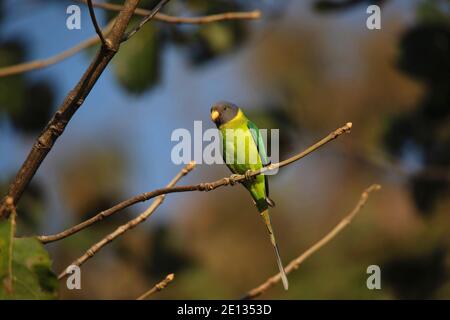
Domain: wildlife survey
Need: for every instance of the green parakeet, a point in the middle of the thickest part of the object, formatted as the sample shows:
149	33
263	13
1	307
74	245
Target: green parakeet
243	150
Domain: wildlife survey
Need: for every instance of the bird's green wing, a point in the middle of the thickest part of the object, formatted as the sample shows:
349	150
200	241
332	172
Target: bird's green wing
258	139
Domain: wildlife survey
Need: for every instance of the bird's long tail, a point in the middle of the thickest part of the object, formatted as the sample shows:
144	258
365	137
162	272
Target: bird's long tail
266	218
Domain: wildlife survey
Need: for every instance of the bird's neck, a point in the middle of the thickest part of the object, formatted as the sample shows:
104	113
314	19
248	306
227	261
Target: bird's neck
237	121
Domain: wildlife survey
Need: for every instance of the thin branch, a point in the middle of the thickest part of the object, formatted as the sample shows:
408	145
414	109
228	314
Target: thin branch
130	224
146	19
249	15
43	63
294	264
95	23
158	287
198	187
44	143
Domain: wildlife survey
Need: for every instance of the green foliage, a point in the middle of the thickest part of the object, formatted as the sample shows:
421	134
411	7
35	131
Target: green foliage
25	267
432	11
326	6
11	88
428	269
425	55
27	104
31	206
211	41
36	108
137	63
1	10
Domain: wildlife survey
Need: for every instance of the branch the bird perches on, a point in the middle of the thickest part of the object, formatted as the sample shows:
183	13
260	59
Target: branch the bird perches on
232	180
205	186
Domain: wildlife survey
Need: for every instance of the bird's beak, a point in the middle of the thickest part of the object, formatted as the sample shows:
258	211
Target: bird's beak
214	115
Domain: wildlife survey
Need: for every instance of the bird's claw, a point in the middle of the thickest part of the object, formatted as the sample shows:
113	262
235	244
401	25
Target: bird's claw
236	177
248	175
233	179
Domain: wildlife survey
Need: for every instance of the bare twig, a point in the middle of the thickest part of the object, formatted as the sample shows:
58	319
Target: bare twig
146	19
249	15
158	287
208	186
294	264
43	63
95	23
130	224
44	143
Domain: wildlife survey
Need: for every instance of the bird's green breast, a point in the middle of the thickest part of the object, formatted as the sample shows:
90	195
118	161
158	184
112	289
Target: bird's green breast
239	149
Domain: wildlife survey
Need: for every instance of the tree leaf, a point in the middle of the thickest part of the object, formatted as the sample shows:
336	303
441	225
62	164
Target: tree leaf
136	66
26	103
25	266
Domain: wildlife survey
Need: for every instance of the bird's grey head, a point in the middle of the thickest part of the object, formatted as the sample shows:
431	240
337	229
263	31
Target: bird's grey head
222	112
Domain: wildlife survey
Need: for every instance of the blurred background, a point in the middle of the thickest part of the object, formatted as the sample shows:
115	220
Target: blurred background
306	67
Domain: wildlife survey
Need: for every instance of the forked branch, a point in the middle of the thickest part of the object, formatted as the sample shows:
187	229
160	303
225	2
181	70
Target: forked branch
95	23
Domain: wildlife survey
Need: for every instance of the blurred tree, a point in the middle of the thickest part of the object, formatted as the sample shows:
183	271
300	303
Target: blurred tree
137	63
417	276
206	42
273	116
31	208
12	88
425	55
1	11
26	103
92	183
136	66
328	6
164	256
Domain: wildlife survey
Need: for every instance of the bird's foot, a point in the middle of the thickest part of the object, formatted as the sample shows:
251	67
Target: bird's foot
248	175
233	179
